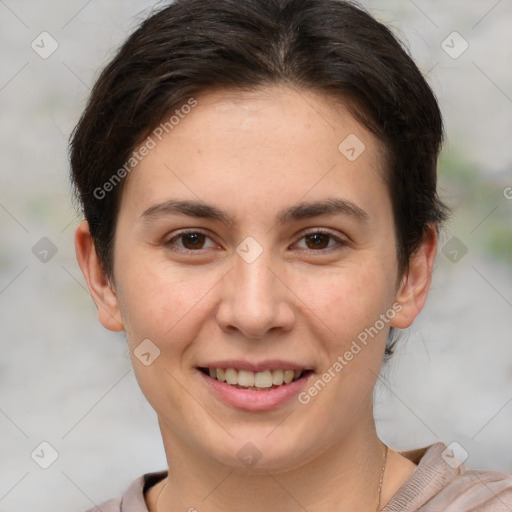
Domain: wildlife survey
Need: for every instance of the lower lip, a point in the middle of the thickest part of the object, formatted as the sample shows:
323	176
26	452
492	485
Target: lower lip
255	400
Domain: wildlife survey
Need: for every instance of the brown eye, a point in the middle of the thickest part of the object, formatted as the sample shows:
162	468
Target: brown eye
190	241
317	240
320	241
193	240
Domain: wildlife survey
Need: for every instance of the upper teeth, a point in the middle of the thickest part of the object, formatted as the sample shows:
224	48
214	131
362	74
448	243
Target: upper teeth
246	378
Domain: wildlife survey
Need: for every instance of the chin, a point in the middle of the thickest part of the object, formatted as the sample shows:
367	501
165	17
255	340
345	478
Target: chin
261	454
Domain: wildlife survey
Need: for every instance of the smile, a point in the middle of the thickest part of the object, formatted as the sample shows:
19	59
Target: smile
254	381
260	390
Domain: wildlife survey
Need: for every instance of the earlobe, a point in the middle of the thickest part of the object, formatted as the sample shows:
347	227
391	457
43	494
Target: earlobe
413	291
100	286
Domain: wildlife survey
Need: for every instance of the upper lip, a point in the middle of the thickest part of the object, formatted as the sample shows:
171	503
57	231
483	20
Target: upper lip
269	364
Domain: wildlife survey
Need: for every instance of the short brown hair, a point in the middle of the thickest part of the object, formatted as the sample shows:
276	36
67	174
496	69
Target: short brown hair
330	46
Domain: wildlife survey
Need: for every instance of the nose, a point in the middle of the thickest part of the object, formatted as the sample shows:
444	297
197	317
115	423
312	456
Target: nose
255	300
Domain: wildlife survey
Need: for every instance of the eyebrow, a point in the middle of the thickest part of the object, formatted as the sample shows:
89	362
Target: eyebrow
301	211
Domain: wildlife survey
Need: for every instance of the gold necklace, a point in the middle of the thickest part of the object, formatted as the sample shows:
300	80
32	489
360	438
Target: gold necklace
382	478
378	493
158	497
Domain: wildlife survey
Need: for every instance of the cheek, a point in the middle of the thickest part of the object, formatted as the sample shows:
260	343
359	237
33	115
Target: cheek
170	310
347	311
345	300
163	305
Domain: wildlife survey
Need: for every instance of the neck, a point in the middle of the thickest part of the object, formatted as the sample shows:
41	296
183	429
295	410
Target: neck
345	477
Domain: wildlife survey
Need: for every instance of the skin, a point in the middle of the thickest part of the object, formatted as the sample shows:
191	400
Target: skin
239	151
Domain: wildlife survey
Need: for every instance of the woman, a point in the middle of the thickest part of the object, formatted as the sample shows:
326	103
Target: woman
258	181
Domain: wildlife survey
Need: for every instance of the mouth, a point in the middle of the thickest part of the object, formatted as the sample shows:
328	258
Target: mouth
265	380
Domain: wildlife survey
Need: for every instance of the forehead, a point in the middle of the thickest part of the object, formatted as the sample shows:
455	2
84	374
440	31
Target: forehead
266	147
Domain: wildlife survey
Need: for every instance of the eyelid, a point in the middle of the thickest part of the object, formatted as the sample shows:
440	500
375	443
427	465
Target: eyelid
340	240
168	241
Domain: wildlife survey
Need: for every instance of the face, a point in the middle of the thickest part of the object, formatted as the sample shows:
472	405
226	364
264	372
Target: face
249	239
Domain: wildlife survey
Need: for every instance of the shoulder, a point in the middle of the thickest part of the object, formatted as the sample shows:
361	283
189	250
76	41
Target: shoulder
108	506
440	482
133	499
485	491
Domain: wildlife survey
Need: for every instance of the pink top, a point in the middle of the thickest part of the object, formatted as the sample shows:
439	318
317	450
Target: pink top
434	486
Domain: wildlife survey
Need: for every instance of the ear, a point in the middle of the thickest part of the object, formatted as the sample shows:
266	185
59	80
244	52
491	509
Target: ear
100	286
415	285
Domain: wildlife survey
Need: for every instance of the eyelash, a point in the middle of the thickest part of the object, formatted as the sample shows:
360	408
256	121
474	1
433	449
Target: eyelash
339	242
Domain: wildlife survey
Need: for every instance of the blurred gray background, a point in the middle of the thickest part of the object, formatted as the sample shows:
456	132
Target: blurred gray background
67	382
